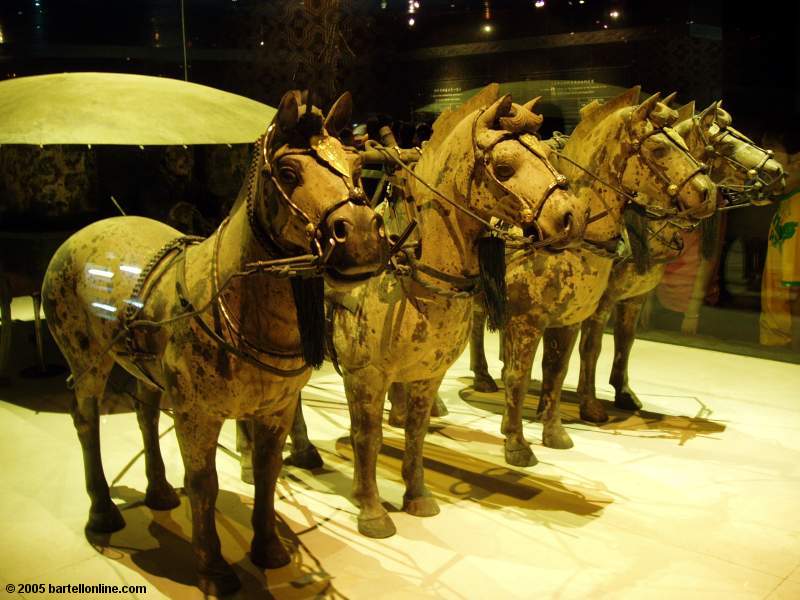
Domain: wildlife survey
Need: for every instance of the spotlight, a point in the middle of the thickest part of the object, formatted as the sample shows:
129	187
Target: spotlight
539	3
487	28
614	14
411	22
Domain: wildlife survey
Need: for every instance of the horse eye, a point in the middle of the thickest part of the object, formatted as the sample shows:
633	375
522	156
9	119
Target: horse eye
503	172
288	176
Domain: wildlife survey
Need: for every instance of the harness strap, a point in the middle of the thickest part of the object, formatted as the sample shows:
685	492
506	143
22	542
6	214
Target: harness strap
180	290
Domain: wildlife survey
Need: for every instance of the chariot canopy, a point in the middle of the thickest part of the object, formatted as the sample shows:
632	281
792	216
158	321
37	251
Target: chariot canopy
124	109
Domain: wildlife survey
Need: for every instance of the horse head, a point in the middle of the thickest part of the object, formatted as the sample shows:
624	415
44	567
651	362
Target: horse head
667	179
307	199
516	182
740	168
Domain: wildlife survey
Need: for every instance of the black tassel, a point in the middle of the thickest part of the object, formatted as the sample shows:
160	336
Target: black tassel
492	261
637	224
709	235
309	301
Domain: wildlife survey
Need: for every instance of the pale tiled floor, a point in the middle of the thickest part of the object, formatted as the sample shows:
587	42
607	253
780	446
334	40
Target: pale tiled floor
698	497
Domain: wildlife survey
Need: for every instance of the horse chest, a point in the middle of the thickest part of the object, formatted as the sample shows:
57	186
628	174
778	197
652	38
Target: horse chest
200	374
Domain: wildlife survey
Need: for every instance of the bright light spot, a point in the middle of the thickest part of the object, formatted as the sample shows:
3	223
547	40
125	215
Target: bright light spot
487	28
411	22
581	1
539	3
605	26
130	269
100	273
2	40
416	4
102	306
261	43
135	303
614	14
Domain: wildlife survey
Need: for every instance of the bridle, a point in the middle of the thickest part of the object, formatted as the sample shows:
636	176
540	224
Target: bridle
673	190
482	161
327	152
756	181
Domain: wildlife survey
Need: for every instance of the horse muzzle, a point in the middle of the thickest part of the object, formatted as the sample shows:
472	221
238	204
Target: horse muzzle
354	243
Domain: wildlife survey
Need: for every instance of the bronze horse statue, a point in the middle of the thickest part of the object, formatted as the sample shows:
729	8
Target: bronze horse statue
409	326
736	164
212	325
623	159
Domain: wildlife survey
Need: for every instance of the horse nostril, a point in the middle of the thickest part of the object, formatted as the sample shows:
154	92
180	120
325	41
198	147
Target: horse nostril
567	221
340	230
377	222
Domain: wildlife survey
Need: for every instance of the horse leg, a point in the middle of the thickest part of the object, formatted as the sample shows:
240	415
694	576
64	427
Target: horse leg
244	446
365	393
267	551
482	379
591	409
398	404
558	345
624	336
303	454
417	500
160	494
104	516
519	346
197	437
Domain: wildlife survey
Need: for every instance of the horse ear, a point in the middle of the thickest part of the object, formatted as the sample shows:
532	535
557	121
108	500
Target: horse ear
501	108
669	98
531	104
288	111
709	116
686	112
339	115
641	112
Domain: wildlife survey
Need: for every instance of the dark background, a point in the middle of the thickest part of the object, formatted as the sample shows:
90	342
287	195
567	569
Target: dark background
746	53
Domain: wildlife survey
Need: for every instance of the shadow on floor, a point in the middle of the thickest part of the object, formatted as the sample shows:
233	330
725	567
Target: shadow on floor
459	476
157	544
681	428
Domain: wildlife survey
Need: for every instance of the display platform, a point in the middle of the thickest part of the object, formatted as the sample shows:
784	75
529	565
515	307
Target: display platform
697	496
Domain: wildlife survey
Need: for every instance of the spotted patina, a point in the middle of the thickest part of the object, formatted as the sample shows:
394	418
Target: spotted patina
735	163
409	329
629	148
239	356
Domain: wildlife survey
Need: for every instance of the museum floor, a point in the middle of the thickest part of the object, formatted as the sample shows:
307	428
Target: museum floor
696	497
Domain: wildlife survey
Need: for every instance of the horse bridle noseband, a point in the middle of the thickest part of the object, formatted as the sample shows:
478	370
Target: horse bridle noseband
325	151
755	174
482	159
672	190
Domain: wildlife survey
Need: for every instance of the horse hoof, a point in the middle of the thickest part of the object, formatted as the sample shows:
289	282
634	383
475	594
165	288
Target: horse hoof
423	506
305	459
627	400
219	583
520	456
439	408
377	527
162	498
397	420
484	383
557	439
108	521
271	555
247	475
593	412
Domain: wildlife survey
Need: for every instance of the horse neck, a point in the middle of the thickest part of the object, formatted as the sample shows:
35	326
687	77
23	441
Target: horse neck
601	152
261	305
448	236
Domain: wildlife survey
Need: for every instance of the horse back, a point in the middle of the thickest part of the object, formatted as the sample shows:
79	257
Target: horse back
90	281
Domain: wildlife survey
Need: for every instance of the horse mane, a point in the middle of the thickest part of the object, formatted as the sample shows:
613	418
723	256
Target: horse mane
451	117
595	111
